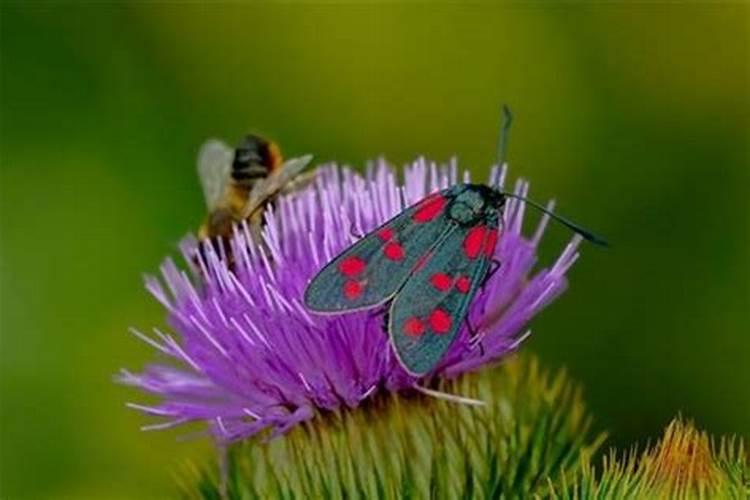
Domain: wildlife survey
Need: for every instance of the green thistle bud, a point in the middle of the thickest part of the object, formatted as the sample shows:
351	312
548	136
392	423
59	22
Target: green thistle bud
532	433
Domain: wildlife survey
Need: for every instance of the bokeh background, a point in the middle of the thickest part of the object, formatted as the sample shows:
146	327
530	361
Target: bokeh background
635	117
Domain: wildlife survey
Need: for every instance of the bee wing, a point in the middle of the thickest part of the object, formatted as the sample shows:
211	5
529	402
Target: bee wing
214	170
428	311
299	182
271	185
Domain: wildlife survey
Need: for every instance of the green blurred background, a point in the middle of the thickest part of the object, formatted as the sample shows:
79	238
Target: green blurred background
635	117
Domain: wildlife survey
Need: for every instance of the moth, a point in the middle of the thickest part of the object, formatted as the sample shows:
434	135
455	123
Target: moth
425	265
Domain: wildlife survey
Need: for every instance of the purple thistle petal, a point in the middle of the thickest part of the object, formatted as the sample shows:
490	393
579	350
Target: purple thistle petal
247	356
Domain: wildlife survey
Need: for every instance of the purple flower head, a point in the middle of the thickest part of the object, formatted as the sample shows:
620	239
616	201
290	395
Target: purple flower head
247	356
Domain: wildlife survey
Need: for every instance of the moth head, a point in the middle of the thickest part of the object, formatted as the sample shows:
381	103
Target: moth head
474	203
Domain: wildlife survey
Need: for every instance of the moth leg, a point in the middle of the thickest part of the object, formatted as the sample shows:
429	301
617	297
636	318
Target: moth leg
475	339
384	312
494	267
378	312
353	232
472	330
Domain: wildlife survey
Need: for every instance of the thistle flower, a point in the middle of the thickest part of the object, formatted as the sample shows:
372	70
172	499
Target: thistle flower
247	356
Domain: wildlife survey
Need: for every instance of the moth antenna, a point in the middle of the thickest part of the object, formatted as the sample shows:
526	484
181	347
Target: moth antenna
453	398
588	235
502	143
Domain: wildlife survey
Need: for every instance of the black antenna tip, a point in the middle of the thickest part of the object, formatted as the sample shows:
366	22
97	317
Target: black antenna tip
507	116
592	238
502	143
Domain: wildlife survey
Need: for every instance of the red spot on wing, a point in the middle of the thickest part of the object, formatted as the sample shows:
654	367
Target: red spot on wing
463	284
490	242
352	289
430	208
441	281
474	241
385	234
413	327
352	266
393	250
440	321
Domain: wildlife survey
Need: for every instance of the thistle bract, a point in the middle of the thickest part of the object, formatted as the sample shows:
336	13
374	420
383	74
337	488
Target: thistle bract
246	356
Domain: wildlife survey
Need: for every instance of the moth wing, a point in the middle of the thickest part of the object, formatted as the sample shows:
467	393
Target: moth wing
268	187
214	170
429	309
371	271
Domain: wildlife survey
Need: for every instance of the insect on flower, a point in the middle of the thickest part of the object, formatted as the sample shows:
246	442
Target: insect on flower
243	356
425	266
238	183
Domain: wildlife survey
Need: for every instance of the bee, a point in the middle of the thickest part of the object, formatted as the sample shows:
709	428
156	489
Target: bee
238	183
